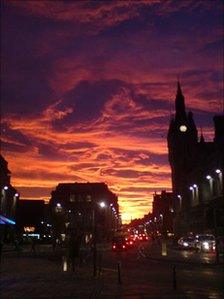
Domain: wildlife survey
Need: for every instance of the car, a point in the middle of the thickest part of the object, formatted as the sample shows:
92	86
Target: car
129	242
119	244
143	237
205	243
186	243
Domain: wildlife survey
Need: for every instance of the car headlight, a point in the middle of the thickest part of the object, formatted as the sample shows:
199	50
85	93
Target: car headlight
185	244
205	245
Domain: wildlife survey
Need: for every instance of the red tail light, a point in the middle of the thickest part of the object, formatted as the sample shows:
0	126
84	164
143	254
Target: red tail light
114	246
123	246
131	242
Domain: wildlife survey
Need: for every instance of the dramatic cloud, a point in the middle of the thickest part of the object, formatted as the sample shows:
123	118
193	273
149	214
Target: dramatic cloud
88	90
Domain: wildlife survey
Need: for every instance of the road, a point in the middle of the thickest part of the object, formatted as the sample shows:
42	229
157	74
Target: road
146	275
147	270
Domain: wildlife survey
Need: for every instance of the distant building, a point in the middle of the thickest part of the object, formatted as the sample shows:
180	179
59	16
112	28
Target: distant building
31	218
77	206
197	173
162	214
8	202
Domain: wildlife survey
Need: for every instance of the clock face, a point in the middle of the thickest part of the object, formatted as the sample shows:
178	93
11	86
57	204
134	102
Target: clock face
183	128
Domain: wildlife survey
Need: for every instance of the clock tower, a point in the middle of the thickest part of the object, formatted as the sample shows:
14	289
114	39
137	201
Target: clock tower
182	144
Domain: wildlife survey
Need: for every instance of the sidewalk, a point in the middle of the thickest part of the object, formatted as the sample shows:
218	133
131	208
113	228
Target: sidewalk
154	251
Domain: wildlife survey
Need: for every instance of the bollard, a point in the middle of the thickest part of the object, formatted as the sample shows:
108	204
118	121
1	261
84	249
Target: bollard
119	272
64	264
174	278
100	263
164	248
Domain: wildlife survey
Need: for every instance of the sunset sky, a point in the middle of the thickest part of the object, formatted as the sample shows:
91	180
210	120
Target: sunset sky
88	89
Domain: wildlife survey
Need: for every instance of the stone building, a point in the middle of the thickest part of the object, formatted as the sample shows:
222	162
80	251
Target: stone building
79	205
197	173
8	203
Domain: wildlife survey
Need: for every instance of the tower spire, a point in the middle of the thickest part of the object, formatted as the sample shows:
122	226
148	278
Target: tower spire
179	103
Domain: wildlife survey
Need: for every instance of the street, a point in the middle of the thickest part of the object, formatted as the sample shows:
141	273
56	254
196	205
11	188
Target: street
144	274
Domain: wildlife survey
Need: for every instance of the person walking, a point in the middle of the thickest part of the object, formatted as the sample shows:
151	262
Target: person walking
74	248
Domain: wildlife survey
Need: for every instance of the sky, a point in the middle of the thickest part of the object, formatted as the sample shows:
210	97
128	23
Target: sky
88	90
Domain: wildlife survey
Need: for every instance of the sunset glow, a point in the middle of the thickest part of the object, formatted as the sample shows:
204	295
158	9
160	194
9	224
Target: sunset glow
88	90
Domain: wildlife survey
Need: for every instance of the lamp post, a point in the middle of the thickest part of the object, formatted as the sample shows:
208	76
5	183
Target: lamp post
220	182
180	202
210	180
102	205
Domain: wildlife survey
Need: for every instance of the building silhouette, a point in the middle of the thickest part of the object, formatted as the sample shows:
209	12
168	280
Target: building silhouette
72	205
162	212
8	203
197	173
31	218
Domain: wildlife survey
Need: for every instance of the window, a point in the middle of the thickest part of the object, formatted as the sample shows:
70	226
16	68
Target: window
88	198
72	198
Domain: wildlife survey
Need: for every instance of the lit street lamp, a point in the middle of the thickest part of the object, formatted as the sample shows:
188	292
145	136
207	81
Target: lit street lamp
210	179
102	205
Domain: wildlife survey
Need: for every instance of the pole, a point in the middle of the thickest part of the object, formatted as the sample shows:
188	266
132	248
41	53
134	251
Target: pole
119	272
216	236
94	244
174	278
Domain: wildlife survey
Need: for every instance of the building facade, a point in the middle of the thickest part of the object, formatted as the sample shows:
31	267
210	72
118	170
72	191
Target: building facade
31	219
8	203
197	173
162	213
77	206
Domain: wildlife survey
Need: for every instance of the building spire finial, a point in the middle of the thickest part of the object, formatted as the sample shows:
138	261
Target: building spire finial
179	102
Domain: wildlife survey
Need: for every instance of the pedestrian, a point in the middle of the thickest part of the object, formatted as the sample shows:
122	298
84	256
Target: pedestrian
74	248
33	245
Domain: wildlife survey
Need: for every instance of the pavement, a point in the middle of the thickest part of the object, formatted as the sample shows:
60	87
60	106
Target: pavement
173	254
40	275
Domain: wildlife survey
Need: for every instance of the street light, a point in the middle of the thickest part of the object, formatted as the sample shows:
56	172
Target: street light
210	179
220	183
102	205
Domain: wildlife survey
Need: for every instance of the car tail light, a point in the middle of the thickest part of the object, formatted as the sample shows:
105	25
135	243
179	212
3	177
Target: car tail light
123	246
131	242
114	246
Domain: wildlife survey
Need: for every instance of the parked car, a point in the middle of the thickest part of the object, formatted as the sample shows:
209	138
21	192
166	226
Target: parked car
205	243
119	244
186	243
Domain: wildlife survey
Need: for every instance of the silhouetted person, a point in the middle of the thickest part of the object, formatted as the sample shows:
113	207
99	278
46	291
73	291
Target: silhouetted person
33	245
74	248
